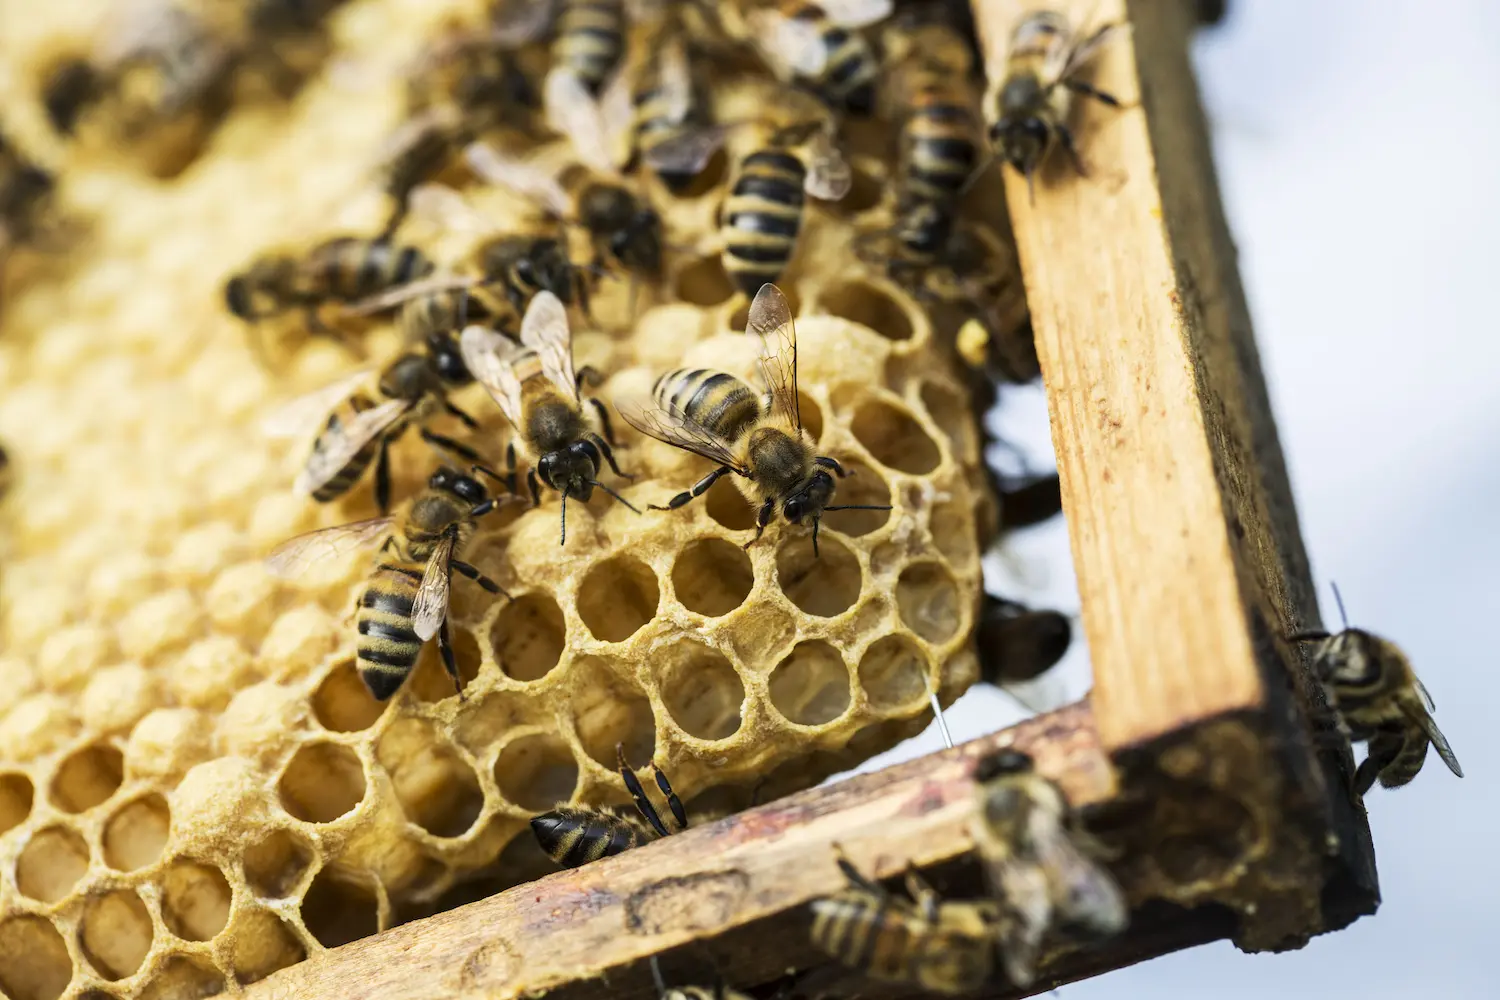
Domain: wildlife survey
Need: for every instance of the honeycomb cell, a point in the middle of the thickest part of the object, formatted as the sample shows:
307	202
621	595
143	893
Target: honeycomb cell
954	532
811	414
322	782
702	693
436	787
16	794
825	583
928	601
34	726
167	742
200	552
617	597
863	486
342	703
135	835
865	192
274	864
165	619
893	672
183	978
34	963
894	437
869	306
87	777
298	640
211	670
951	413
712	576
115	932
195	900
243	597
606	715
116	697
536	772
339	907
528	636
704	283
431	682
51	863
263	944
68	657
728	506
811	685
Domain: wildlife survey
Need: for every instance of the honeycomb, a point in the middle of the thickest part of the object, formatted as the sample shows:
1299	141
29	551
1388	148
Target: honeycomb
195	788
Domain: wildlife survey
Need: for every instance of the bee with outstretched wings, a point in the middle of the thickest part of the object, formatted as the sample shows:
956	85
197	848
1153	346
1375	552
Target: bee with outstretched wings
758	437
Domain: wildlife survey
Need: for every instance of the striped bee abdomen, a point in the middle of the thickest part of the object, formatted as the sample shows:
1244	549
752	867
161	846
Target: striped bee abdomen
358	462
721	403
574	837
762	217
388	646
941	137
590	40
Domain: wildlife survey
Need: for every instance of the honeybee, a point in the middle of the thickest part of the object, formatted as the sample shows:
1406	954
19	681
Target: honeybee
668	109
1027	108
1037	863
1018	643
759	438
624	229
819	46
932	94
25	191
575	835
344	270
536	387
405	602
461	86
944	947
358	428
1382	702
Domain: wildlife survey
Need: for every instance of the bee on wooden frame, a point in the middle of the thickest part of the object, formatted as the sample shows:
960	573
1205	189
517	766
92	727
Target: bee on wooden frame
1028	102
405	601
358	427
944	947
1038	863
758	438
1381	701
575	835
536	387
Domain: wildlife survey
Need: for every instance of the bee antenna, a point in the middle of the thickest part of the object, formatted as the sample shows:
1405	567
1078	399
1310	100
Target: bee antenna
1339	600
595	482
861	506
816	521
563	538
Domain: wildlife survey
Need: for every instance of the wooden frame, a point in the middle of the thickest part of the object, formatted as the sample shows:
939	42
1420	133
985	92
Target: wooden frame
1206	756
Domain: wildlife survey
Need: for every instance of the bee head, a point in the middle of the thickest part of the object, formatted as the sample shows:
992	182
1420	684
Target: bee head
1002	763
447	360
1021	140
810	500
924	228
70	87
455	483
410	376
548	268
571	470
1351	659
861	100
255	292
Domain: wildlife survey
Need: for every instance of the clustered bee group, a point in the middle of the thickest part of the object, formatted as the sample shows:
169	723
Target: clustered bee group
624	89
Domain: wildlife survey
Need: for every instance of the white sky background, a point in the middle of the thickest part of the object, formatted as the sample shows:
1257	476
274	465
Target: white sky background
1357	143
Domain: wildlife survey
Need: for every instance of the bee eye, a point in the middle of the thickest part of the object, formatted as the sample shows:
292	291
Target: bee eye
525	269
619	242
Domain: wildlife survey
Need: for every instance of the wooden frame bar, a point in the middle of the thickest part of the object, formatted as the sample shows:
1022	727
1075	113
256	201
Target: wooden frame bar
1205	757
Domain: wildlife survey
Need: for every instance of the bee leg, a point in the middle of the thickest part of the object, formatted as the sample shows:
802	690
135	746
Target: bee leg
853	874
1065	135
383	477
1088	90
924	895
461	416
831	463
609	456
510	466
448	444
536	493
605	425
763	518
673	802
473	574
633	786
1381	752
591	376
450	663
699	488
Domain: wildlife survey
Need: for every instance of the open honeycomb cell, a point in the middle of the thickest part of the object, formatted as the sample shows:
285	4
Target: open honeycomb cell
196	789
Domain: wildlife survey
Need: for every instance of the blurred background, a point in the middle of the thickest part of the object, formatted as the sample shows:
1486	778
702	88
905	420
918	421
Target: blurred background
1356	147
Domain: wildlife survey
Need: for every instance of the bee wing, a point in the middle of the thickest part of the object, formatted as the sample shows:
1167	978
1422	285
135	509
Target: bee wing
1428	724
335	448
545	330
792	45
413	132
1084	894
1074	57
513	23
675	80
294	556
1423	693
572	111
673	427
525	179
688	152
411	290
1023	893
444	209
302	416
856	13
771	318
491	358
431	604
828	175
